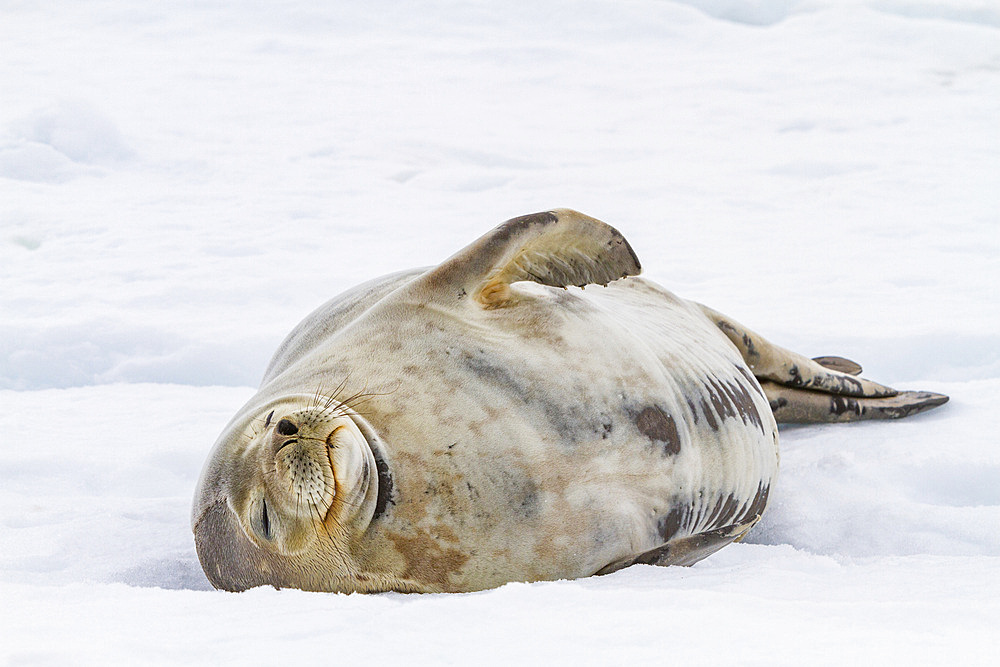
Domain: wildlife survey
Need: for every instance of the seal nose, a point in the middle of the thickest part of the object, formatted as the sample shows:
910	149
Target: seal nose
286	427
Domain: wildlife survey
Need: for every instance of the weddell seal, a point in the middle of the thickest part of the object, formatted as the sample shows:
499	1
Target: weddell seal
472	424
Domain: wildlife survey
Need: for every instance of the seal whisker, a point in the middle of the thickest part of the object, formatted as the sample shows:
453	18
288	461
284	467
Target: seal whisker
337	392
316	397
321	521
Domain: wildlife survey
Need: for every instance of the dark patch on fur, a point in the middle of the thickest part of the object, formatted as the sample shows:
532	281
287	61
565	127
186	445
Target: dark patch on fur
729	399
573	421
497	375
841	404
658	426
385	484
706	409
727	327
832	382
724	512
529	502
734	334
671	523
731	510
751	380
713	514
723	407
693	409
759	502
848	385
744	404
520	492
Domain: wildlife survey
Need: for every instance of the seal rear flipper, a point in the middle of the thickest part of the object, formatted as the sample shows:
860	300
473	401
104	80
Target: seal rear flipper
686	550
802	406
560	248
839	364
768	361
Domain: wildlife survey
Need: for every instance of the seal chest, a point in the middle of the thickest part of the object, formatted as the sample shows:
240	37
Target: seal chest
459	427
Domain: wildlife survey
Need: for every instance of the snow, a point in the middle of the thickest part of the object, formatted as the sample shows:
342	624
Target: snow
180	185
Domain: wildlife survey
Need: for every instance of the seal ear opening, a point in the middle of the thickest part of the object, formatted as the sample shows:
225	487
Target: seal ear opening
560	248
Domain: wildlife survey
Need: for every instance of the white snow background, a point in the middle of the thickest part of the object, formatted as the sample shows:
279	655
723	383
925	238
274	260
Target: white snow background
181	183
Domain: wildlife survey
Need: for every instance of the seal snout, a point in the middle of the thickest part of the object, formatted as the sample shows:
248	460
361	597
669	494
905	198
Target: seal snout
298	468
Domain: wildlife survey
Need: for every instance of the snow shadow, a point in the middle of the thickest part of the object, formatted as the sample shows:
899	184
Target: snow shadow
166	573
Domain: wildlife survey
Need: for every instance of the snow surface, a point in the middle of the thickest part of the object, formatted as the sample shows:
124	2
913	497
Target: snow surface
181	183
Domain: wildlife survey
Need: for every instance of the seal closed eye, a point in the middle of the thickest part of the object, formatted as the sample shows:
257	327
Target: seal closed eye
263	525
475	423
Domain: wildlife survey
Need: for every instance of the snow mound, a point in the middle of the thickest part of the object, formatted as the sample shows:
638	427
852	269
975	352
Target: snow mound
748	12
771	12
976	13
61	142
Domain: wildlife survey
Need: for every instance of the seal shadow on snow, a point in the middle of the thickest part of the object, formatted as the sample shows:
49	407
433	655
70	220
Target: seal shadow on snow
166	573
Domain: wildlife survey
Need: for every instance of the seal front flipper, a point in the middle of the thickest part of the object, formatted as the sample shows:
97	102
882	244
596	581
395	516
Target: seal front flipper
686	550
560	248
801	406
768	361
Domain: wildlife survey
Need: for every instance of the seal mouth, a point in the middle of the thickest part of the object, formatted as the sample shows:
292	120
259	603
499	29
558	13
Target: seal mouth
291	441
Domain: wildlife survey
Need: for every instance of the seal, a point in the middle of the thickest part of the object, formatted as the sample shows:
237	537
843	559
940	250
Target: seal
477	423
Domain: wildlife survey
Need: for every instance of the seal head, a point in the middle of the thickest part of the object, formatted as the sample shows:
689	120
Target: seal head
296	488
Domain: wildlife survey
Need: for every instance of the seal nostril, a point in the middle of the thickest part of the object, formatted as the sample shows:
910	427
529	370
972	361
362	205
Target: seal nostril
285	427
